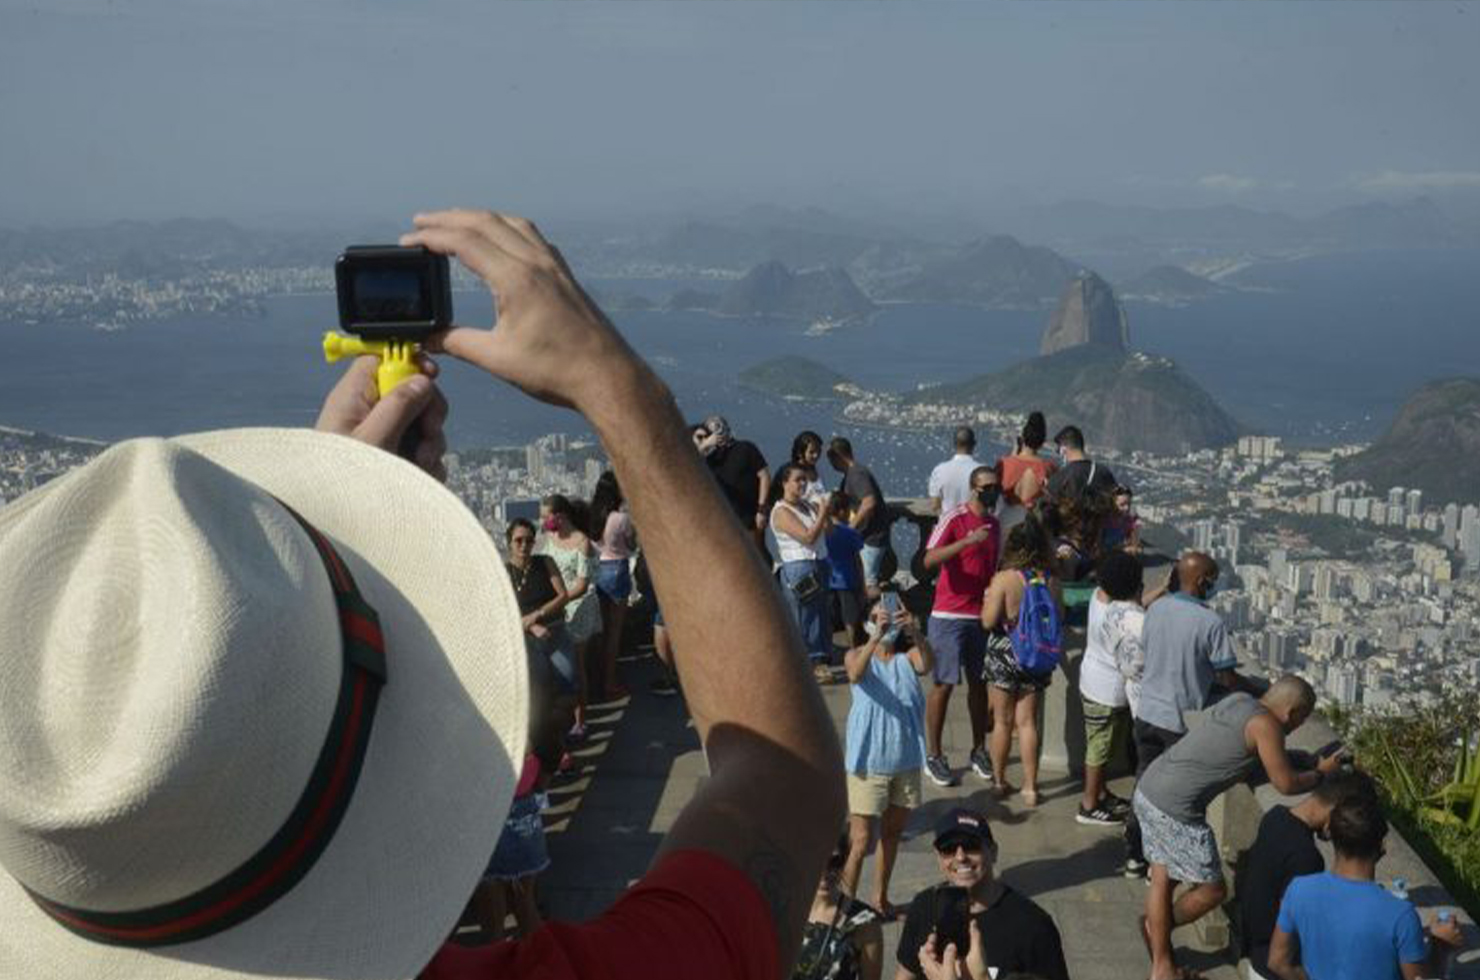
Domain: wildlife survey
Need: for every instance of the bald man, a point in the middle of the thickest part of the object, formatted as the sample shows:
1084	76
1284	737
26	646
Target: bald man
1171	801
1188	653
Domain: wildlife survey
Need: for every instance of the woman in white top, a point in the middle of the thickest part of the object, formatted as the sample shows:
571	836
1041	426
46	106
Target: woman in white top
1112	664
568	546
800	527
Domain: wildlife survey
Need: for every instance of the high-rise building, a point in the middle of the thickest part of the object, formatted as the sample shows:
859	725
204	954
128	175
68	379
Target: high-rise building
1325	582
1362	508
534	461
1395	497
1202	536
1451	525
1344	506
1379	512
1343	684
1469	536
1397	516
1414	501
1277	559
1328	502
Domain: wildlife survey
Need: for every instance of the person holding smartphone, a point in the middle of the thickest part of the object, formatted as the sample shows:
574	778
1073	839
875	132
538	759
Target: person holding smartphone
1011	931
884	745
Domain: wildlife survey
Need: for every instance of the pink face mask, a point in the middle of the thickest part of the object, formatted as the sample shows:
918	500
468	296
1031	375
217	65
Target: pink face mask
550	524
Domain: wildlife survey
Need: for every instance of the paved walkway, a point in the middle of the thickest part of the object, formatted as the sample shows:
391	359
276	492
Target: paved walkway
643	764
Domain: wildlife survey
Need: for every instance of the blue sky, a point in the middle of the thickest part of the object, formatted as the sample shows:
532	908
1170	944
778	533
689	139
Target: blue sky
265	110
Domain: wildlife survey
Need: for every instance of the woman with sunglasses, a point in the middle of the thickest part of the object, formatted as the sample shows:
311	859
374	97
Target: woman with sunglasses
843	939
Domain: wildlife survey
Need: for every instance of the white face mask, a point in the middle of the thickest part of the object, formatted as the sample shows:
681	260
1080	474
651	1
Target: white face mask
871	629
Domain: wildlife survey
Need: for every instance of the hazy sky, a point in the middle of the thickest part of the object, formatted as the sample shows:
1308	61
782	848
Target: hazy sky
270	110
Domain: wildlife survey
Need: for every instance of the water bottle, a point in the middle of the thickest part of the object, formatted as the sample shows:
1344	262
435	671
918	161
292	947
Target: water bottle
1399	888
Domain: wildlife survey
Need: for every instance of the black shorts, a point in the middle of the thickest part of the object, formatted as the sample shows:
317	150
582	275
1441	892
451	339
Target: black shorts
847	607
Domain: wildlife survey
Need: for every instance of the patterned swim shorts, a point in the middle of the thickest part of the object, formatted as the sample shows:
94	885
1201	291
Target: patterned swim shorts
1188	851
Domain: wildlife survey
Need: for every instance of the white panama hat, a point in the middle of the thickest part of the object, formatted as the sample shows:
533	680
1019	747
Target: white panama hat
171	662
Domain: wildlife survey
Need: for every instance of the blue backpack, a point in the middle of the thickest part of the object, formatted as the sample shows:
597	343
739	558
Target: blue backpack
1038	637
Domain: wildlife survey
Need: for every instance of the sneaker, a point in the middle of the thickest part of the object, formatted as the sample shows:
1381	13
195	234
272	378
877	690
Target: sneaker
1134	868
939	771
664	687
1115	804
981	764
1100	816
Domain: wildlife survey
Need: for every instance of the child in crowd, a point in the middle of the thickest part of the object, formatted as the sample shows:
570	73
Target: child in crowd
1121	527
844	545
520	854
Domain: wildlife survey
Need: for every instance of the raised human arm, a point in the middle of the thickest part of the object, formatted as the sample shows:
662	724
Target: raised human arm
935	557
738	655
922	654
763	493
790	524
1264	734
1283	948
855	661
355	408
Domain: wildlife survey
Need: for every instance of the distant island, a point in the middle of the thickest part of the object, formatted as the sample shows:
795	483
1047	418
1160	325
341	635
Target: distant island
797	379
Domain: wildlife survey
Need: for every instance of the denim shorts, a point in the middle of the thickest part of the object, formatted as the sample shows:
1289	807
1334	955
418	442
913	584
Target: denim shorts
614	579
873	560
520	851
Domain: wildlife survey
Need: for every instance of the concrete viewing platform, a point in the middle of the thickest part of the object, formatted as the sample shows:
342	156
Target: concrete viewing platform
643	763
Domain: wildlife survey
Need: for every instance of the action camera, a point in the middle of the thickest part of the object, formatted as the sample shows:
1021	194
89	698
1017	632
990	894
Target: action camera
388	292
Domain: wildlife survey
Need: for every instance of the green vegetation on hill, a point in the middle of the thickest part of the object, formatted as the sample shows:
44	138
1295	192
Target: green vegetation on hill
1433	445
794	377
1128	401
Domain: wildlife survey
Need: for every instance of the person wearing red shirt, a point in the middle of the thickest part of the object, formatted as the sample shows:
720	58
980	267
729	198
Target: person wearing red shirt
964	548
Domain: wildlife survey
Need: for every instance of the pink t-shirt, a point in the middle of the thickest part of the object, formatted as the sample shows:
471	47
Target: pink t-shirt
963	580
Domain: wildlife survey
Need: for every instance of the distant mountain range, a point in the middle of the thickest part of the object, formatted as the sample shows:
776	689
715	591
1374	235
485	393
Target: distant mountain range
1433	445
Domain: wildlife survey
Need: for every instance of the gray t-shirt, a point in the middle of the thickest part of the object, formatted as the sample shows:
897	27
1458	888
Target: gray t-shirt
1186	644
1214	756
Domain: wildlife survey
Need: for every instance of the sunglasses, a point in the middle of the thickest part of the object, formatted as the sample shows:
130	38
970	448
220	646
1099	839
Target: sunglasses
950	847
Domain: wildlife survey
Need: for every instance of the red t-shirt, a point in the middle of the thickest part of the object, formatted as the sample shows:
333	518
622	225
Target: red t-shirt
963	580
694	915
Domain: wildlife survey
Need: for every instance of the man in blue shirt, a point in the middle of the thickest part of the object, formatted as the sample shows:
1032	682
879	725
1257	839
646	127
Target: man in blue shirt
1342	925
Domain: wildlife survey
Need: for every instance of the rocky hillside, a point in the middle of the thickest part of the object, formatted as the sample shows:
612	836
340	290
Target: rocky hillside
1127	401
771	289
1087	314
1433	445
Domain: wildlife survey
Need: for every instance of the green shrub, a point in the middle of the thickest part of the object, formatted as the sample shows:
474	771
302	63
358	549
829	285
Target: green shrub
1429	770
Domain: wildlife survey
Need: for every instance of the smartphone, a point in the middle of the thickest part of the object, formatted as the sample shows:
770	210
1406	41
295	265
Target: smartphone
890	603
951	920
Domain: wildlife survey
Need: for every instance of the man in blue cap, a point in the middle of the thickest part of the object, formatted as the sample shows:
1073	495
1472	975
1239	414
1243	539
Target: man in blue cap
989	923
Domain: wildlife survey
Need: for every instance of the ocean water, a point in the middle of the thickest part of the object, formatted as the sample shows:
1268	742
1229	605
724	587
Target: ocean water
1328	350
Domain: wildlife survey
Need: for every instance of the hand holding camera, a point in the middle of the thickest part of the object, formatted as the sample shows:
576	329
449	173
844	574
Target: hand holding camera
550	340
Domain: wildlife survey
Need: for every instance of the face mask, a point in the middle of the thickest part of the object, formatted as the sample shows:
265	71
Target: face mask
1212	589
987	496
550	524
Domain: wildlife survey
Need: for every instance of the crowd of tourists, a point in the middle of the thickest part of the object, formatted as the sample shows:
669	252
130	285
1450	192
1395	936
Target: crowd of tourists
269	703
